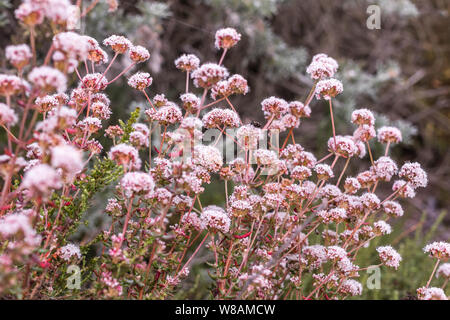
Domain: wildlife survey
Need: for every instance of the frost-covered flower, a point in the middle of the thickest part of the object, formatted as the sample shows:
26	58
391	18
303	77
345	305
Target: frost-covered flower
10	84
40	181
46	103
345	146
207	157
48	79
443	271
389	256
137	183
363	116
72	45
68	251
67	158
226	38
370	200
274	107
119	44
187	62
139	54
333	215
364	133
7	115
17	226
322	66
324	171
432	293
208	74
300	173
389	135
298	109
219	118
328	88
126	155
94	82
215	219
168	114
336	253
385	168
404	189
190	102
393	209
18	55
414	174
351	185
140	81
438	249
351	287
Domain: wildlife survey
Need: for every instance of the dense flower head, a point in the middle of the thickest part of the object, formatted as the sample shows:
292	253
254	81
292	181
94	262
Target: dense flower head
18	55
248	136
7	115
324	171
10	84
18	225
393	209
364	133
140	81
119	44
438	249
215	219
298	109
382	228
191	102
208	157
443	271
168	114
274	107
345	146
385	168
208	74
67	158
72	45
68	251
135	183
351	185
414	174
94	82
219	118
332	215
363	116
404	189
370	200
351	287
328	88
322	66
389	135
139	54
226	38
40	181
126	155
30	13
187	62
431	293
48	79
389	256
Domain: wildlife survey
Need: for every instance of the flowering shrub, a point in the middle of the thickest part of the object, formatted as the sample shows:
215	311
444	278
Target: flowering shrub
277	198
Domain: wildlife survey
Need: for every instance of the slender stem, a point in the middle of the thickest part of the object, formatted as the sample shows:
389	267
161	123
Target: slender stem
343	170
332	123
223	56
432	273
195	252
370	152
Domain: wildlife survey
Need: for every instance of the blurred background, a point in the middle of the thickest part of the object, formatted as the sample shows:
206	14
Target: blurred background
400	71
